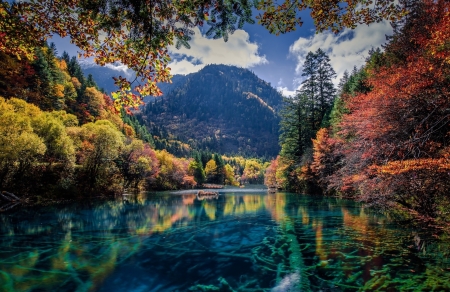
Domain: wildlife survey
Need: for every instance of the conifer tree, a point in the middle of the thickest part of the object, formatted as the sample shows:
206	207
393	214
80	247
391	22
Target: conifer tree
343	83
305	113
220	168
325	74
296	128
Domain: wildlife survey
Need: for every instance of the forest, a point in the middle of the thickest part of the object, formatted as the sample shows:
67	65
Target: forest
384	139
380	138
62	138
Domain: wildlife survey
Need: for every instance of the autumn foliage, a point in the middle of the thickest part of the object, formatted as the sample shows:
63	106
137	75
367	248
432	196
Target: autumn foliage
392	147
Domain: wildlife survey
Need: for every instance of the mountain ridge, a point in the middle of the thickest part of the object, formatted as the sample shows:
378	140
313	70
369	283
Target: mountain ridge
220	108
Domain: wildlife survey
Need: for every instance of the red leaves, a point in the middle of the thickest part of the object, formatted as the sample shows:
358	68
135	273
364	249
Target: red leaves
393	136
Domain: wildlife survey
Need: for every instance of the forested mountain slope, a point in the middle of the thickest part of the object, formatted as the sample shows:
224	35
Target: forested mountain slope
221	108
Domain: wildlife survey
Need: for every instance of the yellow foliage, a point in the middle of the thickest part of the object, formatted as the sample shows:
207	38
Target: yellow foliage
62	65
59	90
229	176
211	168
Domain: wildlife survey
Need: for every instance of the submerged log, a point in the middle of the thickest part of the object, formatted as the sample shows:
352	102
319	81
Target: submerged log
6	197
8	206
11	195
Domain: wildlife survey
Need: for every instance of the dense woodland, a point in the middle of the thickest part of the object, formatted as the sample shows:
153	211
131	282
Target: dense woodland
61	136
386	139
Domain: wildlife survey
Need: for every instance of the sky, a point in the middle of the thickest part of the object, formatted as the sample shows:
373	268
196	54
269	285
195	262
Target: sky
275	59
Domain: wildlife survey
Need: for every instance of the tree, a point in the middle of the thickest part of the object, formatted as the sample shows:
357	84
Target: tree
137	33
304	113
270	177
197	171
334	15
172	173
253	172
295	126
343	82
101	144
318	87
220	176
390	147
211	171
230	176
136	161
326	91
20	147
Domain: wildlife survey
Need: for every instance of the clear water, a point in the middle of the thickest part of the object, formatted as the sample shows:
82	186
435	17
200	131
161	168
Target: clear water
243	240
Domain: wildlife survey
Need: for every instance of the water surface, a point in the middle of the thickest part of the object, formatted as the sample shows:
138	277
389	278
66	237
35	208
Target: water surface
241	240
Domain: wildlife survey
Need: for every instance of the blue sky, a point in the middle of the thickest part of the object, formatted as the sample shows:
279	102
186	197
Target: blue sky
276	59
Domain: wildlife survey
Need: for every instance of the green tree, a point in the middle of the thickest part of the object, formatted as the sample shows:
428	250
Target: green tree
326	91
197	171
220	173
296	127
303	115
318	87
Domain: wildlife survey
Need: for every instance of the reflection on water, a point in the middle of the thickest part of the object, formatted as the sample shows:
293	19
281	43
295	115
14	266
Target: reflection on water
243	241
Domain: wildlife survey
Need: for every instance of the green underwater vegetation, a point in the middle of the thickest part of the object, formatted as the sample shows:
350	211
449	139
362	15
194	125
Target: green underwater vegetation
242	240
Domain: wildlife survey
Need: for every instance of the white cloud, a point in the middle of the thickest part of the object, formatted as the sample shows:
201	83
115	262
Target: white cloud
184	67
285	91
346	50
238	51
116	66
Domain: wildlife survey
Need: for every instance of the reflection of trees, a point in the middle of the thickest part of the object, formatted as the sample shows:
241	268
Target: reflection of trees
313	243
83	246
349	251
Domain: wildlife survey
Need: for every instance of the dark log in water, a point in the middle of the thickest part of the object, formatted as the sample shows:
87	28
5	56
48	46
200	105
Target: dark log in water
9	206
6	198
11	195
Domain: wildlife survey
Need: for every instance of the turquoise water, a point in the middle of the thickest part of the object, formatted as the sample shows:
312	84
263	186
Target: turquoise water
242	240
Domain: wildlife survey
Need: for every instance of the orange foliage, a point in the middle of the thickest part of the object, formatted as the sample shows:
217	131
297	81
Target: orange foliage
270	178
390	146
398	167
76	83
128	131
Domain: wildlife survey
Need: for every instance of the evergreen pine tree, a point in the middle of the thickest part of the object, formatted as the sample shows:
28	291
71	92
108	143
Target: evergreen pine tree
343	83
296	127
220	169
326	91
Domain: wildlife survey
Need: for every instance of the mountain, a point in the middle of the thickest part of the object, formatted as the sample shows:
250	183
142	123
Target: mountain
221	108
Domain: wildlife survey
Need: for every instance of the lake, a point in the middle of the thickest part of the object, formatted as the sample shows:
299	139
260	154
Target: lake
241	240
